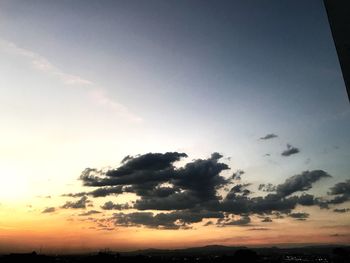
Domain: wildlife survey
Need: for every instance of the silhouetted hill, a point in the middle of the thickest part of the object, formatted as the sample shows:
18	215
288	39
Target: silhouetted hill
212	249
206	254
228	250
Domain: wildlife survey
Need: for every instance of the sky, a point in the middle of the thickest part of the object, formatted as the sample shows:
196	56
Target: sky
137	124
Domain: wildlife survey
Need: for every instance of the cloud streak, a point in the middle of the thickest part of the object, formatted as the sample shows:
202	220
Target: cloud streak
269	136
42	64
49	210
96	93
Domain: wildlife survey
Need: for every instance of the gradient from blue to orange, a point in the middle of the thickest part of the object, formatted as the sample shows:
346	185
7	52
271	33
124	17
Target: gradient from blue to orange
84	83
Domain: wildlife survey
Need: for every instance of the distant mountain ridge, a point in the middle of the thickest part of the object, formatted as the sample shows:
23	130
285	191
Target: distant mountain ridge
228	250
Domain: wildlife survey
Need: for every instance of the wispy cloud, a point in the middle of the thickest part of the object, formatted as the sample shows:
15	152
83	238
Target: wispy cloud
41	63
98	94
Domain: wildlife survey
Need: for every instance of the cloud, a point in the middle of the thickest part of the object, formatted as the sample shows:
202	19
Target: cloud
42	64
91	212
307	200
80	194
146	162
81	203
269	136
340	188
271	203
49	210
340	193
338	199
142	219
267	187
258	229
147	168
209	223
105	191
299	216
266	220
290	150
175	197
100	192
343	210
243	221
300	182
179	200
240	189
102	98
145	175
172	220
111	206
237	175
97	94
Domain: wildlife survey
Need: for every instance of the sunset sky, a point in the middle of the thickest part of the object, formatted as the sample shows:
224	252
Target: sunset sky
168	124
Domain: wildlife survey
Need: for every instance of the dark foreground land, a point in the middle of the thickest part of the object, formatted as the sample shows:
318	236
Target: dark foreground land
219	254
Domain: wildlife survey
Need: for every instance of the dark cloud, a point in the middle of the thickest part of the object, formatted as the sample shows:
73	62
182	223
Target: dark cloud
266	220
340	193
181	196
243	221
300	182
209	223
237	175
80	194
342	210
91	212
340	188
176	201
269	136
195	183
90	178
307	200
202	177
290	150
105	191
339	199
240	204
299	216
81	203
238	189
258	229
112	206
126	158
49	210
149	161
99	192
142	219
172	220
278	215
150	167
271	203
